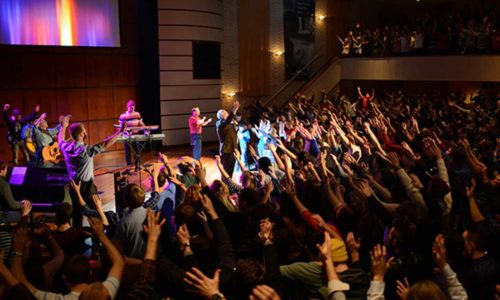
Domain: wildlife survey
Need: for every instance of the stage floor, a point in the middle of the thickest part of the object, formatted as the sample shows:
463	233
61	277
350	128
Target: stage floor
108	163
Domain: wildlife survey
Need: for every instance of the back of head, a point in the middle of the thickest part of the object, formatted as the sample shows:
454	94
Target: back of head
220	114
75	129
162	178
249	273
134	196
193	195
264	164
3	165
95	291
77	270
425	290
64	213
185	214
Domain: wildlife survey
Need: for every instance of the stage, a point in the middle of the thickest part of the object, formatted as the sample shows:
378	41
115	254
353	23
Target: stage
106	164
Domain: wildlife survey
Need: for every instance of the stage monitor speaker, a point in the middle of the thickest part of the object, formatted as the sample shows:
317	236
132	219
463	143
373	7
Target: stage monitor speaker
44	187
206	60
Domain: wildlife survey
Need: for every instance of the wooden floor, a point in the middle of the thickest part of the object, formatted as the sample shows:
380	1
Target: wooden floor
107	164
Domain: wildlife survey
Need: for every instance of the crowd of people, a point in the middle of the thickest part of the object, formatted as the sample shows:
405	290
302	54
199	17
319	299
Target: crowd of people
393	196
459	33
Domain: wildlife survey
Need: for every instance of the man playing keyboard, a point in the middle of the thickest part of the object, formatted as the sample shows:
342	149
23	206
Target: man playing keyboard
132	118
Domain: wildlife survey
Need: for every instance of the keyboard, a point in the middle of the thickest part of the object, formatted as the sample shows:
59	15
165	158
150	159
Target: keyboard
142	138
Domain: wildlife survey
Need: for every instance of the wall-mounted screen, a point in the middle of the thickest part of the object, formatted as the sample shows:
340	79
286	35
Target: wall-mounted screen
92	23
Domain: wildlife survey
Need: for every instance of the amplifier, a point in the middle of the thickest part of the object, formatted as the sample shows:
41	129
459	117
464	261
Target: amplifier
44	187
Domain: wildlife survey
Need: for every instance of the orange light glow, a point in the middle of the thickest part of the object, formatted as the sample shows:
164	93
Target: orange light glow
65	9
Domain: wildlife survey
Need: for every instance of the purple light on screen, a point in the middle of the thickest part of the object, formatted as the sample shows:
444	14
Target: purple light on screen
60	22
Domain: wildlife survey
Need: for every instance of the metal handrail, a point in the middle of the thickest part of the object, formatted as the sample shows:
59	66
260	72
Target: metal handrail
271	99
318	74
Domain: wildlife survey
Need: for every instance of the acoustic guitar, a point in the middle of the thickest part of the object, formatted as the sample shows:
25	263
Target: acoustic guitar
52	154
30	146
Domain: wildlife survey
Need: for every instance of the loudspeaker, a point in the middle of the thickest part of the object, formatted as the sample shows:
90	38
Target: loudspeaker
44	187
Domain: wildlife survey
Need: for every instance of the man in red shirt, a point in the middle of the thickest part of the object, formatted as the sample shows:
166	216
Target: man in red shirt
366	98
196	124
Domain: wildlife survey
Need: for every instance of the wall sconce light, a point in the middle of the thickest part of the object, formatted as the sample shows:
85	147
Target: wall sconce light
278	53
321	17
230	93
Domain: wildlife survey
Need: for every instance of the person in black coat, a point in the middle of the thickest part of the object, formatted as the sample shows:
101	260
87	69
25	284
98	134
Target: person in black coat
15	123
228	140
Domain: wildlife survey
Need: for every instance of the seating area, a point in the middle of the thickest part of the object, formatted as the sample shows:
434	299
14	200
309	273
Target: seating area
459	33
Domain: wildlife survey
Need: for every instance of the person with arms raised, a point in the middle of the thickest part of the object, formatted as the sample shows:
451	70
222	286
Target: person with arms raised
79	159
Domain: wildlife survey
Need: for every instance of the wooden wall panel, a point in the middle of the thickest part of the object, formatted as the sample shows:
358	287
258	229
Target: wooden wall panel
100	130
99	70
47	101
15	99
92	84
38	71
253	43
8	78
124	70
121	95
100	103
74	102
70	73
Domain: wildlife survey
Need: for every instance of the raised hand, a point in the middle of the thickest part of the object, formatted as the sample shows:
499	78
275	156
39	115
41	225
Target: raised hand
21	240
65	122
208	206
236	154
402	288
431	149
394	159
97	226
25	208
174	180
37	108
163	157
264	292
97	200
379	264
362	189
183	235
236	106
469	190
218	160
153	224
352	243
6	107
325	249
201	284
439	252
266	230
74	186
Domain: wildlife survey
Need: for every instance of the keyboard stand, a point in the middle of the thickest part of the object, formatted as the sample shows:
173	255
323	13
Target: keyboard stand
140	147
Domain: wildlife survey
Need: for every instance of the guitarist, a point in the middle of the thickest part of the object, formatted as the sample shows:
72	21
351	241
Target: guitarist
15	123
44	136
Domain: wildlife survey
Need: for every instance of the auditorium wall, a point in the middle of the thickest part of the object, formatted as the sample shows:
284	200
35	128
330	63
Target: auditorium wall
92	84
180	23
